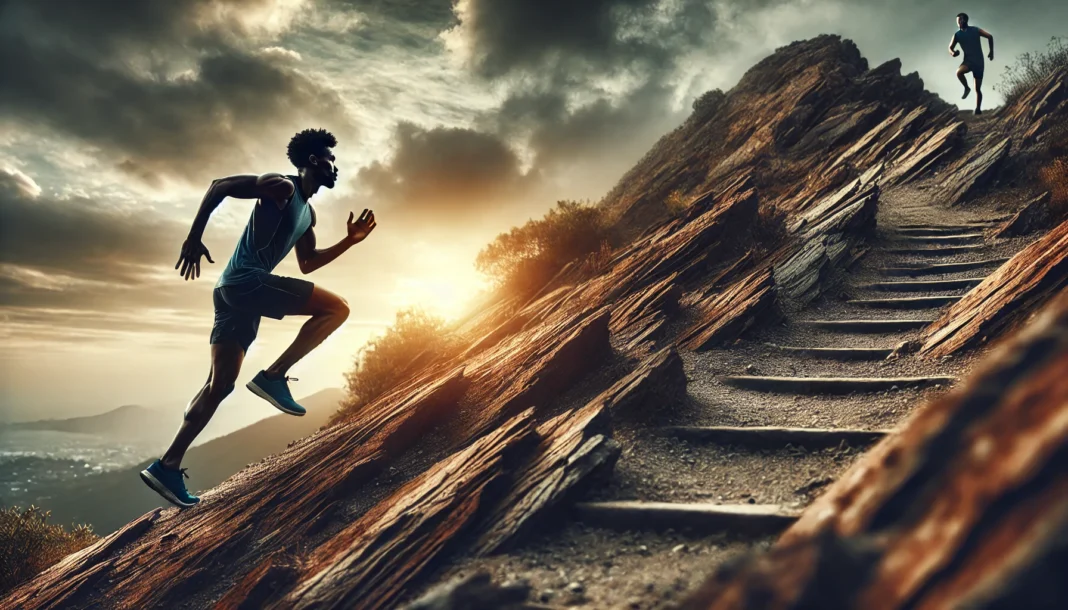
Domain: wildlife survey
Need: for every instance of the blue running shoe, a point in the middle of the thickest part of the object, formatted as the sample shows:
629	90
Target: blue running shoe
169	484
276	392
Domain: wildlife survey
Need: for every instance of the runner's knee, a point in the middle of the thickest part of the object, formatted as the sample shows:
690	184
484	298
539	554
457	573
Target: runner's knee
336	307
341	309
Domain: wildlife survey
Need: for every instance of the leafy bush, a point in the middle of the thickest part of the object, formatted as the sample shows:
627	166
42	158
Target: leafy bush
416	337
709	103
522	260
28	544
1029	69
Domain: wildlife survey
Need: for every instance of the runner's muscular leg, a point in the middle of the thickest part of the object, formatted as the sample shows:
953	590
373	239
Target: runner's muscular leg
961	71
226	361
328	312
978	92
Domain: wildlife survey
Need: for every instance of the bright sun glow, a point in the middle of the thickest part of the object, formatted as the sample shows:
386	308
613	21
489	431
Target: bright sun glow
445	296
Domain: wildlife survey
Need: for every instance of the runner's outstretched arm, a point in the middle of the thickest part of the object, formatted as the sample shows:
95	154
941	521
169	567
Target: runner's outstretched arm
309	258
989	37
268	187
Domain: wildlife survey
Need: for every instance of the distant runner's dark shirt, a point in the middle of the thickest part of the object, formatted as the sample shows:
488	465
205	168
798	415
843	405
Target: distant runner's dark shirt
968	39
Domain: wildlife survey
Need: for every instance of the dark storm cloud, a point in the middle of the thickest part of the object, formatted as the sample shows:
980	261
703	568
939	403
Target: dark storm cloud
49	241
444	174
559	134
545	53
557	54
162	85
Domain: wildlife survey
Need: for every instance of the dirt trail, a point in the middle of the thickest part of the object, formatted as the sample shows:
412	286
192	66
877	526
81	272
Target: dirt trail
678	502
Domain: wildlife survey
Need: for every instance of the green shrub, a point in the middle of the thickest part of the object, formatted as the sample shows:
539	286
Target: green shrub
415	338
1029	69
28	544
522	260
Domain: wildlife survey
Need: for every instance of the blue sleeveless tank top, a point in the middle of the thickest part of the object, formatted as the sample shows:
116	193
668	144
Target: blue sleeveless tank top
268	237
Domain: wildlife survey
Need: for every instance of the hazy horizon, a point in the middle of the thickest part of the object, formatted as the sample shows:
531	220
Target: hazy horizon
455	122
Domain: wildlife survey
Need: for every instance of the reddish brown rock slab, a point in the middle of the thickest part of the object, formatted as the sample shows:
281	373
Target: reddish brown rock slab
725	316
574	448
965	505
927	151
1033	216
977	170
655	383
1007	296
531	368
1036	109
370	562
261	510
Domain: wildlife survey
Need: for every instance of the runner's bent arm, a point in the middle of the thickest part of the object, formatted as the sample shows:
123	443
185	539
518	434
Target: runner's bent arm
274	188
268	187
953	43
309	258
989	37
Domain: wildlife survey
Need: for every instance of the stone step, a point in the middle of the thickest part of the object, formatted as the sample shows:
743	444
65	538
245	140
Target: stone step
935	231
773	437
917	270
835	353
906	302
966	238
967	224
924	285
867	326
831	385
945	251
698	517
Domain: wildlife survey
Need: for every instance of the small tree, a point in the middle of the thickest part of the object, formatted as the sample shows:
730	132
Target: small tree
29	544
526	257
416	336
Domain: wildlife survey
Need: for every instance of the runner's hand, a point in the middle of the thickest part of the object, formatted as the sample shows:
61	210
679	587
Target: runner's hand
991	56
359	230
189	259
956	52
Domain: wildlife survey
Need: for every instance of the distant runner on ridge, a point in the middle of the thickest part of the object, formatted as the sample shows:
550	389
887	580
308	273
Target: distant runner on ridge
281	219
968	37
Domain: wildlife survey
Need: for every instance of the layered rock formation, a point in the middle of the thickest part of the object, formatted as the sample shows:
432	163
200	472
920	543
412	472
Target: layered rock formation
473	453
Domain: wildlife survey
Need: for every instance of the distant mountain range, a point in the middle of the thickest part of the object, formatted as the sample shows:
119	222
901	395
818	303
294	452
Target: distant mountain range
109	500
125	422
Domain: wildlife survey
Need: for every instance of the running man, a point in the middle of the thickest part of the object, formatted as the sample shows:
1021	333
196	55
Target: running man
281	219
968	37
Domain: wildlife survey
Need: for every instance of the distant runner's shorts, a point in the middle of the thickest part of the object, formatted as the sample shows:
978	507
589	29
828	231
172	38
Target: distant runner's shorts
976	68
238	307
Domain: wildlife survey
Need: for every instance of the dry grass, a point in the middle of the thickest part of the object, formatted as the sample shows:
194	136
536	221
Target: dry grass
1030	69
29	544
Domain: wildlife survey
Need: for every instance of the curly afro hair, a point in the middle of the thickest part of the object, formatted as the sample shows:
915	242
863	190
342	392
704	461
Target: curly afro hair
309	142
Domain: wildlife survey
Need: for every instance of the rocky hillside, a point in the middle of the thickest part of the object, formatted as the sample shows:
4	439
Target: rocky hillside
846	258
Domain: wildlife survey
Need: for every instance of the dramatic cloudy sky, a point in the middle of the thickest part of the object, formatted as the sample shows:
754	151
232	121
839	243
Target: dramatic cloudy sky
456	120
